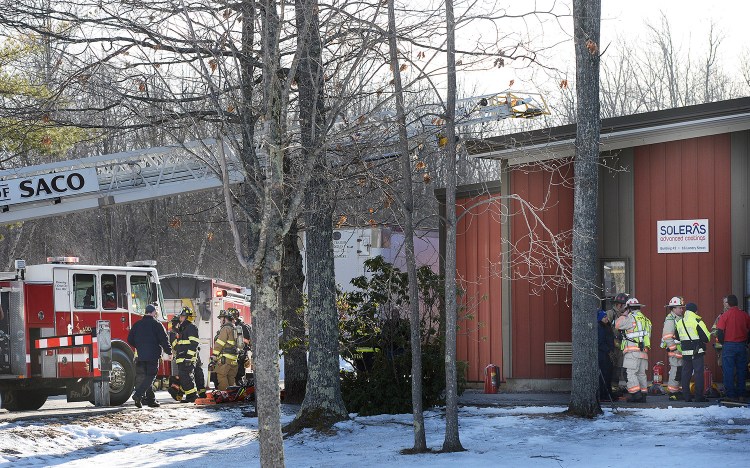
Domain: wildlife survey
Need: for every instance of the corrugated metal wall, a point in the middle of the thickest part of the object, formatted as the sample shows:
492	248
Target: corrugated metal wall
686	179
478	256
539	314
740	215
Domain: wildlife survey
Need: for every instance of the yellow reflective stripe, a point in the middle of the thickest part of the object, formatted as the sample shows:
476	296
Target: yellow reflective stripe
194	338
216	352
191	352
220	342
192	390
231	342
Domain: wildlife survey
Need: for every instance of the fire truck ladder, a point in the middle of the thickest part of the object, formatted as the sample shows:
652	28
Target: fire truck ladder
127	177
470	111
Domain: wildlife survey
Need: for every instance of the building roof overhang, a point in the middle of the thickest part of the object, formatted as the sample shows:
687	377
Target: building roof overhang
619	132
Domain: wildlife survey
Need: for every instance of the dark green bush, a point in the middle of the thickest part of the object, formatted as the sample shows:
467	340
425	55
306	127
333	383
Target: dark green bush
375	338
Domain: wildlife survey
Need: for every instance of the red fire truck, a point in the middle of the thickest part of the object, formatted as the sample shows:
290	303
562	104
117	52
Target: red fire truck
48	314
206	297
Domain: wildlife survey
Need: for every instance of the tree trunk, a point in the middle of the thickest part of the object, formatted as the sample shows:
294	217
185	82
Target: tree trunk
266	266
583	401
292	286
266	348
420	444
452	442
323	404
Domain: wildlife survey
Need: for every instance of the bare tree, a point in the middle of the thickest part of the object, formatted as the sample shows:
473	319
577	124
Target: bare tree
586	27
420	443
452	441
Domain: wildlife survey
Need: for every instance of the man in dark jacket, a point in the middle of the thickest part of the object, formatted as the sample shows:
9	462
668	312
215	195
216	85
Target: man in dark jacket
149	339
606	346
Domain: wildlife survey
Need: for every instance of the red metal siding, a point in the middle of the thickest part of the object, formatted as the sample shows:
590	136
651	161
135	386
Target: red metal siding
539	314
478	256
686	179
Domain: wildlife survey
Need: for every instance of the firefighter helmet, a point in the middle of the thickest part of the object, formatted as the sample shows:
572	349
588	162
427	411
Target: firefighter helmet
187	312
233	312
633	303
621	298
677	301
224	314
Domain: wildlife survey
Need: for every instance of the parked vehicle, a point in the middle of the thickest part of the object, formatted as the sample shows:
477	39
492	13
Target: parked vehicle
47	328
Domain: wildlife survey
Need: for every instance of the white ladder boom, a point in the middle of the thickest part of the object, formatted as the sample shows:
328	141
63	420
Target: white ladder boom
127	177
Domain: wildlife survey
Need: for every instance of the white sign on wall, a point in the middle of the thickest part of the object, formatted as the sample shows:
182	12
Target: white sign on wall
56	185
682	236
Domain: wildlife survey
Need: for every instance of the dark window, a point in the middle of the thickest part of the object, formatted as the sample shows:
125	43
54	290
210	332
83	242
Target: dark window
746	283
114	292
84	291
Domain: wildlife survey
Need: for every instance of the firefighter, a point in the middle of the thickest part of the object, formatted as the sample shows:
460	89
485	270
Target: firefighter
714	331
149	339
693	336
606	343
224	357
635	331
244	354
186	355
676	309
618	307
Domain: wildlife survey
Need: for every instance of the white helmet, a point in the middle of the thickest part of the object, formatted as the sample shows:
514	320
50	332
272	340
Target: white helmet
677	301
633	303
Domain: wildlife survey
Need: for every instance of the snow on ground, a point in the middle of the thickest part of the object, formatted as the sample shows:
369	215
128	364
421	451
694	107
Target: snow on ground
521	436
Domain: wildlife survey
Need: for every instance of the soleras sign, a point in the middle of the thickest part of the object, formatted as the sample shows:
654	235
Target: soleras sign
682	236
48	186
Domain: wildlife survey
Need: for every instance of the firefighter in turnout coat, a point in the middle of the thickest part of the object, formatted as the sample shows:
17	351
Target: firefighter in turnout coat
186	353
635	329
693	336
676	309
224	356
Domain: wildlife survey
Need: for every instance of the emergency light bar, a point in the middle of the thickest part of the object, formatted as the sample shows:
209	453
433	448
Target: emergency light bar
141	263
62	260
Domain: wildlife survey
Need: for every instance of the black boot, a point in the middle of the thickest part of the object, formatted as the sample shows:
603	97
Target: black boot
634	397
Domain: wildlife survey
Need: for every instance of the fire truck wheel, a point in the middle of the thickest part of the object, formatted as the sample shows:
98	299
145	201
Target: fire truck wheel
122	378
22	401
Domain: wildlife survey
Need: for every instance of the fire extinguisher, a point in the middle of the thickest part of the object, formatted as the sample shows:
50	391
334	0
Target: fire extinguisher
658	373
708	380
491	378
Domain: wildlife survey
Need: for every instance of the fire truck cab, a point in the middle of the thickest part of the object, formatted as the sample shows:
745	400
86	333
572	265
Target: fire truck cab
48	322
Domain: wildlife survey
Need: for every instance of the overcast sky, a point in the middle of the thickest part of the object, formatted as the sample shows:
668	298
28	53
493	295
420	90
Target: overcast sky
689	20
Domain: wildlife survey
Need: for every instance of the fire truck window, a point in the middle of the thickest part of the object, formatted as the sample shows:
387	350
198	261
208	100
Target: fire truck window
140	293
84	291
109	292
122	292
